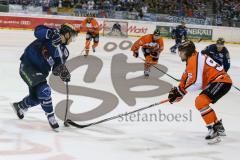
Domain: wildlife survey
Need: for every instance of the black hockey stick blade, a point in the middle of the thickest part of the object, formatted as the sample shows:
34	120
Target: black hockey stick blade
69	121
66	124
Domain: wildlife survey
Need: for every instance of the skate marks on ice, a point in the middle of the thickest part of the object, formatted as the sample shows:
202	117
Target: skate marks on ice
3	98
16	144
154	143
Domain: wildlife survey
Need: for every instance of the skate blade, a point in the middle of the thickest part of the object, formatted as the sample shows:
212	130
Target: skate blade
56	130
214	141
14	109
222	134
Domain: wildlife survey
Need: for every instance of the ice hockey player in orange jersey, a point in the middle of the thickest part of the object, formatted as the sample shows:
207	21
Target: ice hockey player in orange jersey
90	25
202	73
152	45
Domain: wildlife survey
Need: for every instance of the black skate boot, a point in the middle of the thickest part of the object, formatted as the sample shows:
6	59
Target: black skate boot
52	121
18	110
220	128
146	74
173	50
213	134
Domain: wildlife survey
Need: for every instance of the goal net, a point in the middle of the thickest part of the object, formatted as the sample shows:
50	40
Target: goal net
115	28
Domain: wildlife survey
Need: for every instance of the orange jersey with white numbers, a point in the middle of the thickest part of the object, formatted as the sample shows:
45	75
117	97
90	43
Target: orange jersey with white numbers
147	41
91	26
200	71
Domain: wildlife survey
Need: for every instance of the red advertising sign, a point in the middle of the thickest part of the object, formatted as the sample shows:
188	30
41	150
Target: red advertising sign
31	23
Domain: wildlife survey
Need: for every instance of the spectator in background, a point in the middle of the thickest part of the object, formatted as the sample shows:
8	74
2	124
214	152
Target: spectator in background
60	4
85	6
90	5
218	20
144	9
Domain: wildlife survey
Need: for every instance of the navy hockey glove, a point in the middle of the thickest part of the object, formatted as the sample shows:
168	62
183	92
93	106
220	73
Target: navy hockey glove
57	70
62	71
65	75
54	36
174	95
135	54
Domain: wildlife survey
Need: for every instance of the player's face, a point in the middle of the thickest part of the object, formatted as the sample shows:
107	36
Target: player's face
68	38
219	47
156	37
89	19
182	55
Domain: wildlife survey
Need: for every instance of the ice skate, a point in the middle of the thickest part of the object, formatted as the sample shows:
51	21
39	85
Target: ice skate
52	121
213	134
86	52
146	73
220	128
19	111
93	49
172	50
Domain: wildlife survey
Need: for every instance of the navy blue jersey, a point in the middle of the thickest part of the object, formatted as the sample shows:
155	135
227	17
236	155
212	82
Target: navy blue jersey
41	54
221	57
180	32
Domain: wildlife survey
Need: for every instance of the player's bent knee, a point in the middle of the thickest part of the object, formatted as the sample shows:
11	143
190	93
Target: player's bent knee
202	101
43	91
154	62
148	58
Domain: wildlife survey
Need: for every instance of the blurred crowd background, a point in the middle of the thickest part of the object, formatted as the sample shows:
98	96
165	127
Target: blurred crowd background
214	12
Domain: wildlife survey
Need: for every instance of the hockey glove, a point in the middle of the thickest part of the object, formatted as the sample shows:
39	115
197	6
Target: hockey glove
54	36
135	54
57	70
65	75
174	95
62	71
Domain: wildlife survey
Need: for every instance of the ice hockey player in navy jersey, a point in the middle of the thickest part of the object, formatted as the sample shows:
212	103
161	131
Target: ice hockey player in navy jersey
179	34
219	53
39	58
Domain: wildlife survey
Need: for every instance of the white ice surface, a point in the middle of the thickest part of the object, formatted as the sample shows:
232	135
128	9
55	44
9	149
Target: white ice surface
31	138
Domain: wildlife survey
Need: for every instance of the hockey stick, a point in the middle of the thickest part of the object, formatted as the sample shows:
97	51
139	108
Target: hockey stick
66	112
67	89
236	88
60	53
200	39
114	117
161	70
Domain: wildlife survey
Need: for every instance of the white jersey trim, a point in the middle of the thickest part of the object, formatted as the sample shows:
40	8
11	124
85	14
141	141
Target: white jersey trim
200	67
